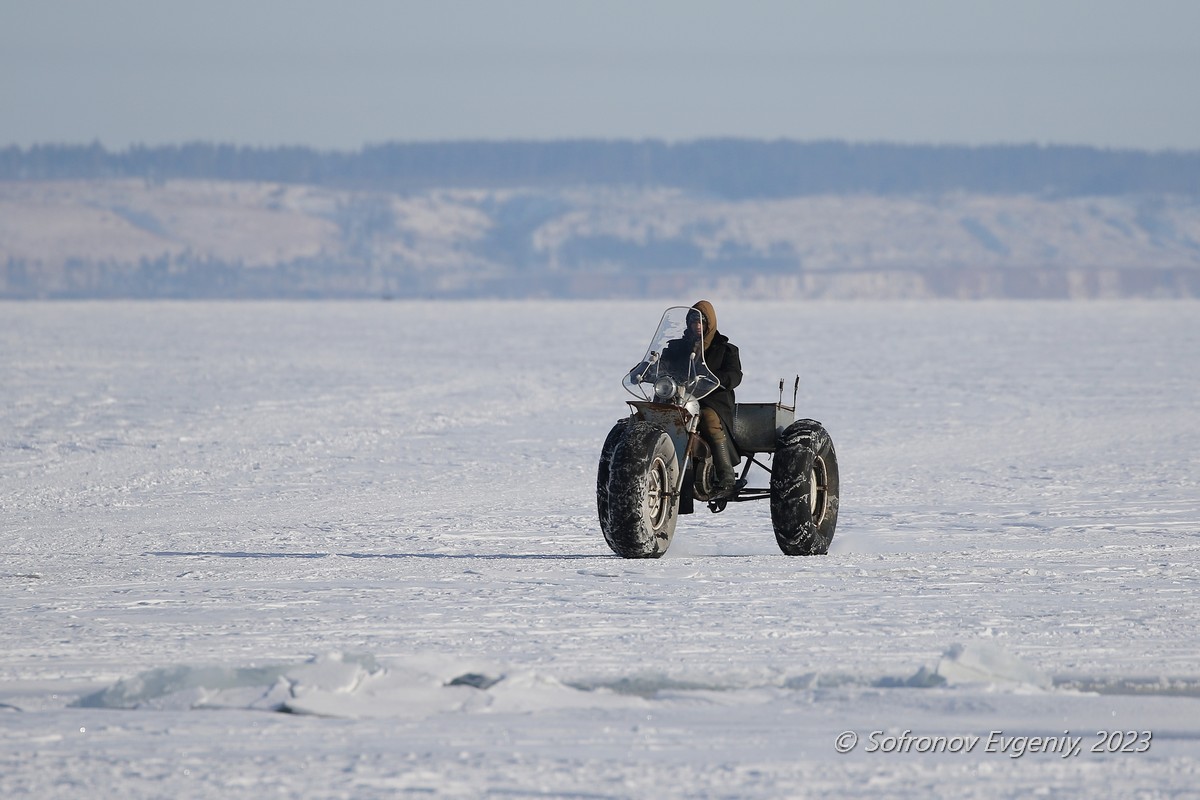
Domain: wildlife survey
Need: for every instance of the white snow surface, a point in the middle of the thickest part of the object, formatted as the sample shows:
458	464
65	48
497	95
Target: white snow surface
380	517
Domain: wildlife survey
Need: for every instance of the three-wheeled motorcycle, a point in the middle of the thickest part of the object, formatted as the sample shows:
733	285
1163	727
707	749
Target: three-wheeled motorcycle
655	463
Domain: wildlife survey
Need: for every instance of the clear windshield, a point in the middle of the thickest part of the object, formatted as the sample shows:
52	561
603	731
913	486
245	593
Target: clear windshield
673	369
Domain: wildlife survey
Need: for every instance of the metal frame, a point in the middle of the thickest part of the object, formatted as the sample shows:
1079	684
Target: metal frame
681	425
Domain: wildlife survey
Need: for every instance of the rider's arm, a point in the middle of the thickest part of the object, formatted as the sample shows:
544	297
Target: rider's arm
729	371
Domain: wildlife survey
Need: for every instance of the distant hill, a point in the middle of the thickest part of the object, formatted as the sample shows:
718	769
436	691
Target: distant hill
726	168
598	219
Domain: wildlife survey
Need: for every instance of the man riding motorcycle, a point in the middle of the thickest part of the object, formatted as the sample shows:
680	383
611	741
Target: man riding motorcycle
716	409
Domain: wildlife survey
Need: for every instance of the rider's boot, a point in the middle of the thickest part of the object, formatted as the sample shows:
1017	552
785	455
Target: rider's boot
723	462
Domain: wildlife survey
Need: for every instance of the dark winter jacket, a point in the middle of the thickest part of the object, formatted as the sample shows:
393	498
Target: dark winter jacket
723	359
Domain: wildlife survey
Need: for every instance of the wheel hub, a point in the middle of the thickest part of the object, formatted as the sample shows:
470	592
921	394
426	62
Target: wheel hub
656	493
818	495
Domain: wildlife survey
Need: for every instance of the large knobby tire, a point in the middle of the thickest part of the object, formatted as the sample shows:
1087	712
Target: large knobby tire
610	444
804	489
643	504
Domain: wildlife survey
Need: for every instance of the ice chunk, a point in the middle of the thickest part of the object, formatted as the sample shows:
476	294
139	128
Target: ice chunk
982	662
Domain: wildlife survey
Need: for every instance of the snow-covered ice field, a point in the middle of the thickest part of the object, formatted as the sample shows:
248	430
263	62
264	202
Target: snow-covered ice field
380	517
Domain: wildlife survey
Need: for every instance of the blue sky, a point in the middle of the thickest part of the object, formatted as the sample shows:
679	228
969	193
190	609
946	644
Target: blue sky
353	72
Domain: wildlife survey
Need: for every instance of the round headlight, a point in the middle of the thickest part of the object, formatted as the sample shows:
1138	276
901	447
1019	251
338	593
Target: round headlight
664	388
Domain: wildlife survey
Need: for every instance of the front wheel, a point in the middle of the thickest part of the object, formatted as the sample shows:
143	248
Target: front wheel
610	444
804	489
642	498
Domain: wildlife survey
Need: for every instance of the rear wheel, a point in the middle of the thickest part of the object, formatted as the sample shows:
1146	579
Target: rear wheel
804	489
642	500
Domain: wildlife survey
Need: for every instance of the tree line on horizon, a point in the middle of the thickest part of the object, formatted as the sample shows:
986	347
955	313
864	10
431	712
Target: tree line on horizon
730	168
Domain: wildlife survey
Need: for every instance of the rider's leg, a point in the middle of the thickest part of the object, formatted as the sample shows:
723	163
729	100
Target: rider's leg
714	432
